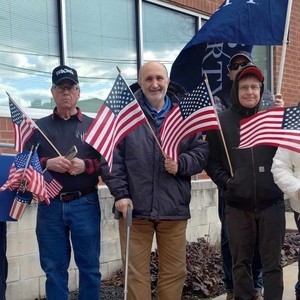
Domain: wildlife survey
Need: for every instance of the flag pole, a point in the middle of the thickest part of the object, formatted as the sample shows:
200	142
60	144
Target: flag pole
284	46
219	124
151	130
14	102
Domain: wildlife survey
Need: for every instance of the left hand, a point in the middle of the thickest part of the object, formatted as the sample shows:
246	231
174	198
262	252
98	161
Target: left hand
278	101
171	165
77	167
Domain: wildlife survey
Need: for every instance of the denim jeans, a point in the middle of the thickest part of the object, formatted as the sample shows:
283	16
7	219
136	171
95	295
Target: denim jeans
58	226
226	254
297	286
3	260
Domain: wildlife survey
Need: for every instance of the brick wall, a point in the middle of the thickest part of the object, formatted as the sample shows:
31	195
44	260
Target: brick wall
291	75
26	280
6	134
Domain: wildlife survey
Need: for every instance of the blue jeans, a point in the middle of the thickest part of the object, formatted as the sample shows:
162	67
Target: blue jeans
3	260
59	225
226	254
297	286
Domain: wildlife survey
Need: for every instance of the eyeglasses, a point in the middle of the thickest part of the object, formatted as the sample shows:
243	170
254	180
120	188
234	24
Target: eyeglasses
63	88
236	66
245	88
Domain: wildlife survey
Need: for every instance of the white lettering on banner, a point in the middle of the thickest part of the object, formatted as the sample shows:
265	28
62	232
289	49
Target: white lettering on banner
228	2
215	50
213	47
215	73
214	66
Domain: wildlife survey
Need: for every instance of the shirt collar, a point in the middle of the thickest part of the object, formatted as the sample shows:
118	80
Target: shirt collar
78	115
163	110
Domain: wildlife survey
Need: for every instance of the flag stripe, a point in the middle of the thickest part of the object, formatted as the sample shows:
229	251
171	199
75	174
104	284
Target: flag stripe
118	116
23	125
194	113
278	127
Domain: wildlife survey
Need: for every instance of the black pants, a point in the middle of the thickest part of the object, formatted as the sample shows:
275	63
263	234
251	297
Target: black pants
226	255
3	260
244	229
297	286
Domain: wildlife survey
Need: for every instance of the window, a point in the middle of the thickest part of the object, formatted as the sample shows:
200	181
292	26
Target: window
261	56
101	35
165	32
28	50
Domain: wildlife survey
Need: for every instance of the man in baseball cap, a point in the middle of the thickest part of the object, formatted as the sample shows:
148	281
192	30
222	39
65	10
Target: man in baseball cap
64	72
244	56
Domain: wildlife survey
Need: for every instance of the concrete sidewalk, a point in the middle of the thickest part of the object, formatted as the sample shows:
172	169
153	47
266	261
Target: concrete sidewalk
290	272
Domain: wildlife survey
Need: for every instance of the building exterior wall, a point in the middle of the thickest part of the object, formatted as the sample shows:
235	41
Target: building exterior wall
26	280
291	74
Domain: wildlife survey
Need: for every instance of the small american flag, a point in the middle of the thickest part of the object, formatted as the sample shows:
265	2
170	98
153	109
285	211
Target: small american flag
52	185
19	205
36	183
278	127
194	113
23	125
16	172
119	115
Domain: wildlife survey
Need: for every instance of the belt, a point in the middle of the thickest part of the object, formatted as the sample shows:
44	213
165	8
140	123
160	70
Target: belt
70	196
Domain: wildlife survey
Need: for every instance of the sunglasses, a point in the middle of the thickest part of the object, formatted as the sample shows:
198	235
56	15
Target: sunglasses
236	66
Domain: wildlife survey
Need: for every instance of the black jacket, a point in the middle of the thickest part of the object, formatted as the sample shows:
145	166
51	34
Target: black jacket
252	186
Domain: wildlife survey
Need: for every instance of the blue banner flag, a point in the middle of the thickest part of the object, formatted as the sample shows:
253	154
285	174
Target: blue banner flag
235	26
7	196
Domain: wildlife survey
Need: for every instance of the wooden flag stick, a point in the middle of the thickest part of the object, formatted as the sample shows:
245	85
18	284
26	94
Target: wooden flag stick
220	127
119	70
11	99
284	46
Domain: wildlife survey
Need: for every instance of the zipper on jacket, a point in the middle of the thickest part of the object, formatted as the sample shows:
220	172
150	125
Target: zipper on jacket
254	181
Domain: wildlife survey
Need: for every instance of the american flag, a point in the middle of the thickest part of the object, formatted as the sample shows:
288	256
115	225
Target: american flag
19	205
194	113
52	185
23	125
278	127
16	172
36	183
119	115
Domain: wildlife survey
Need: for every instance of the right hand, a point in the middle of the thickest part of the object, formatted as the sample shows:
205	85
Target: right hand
58	164
122	205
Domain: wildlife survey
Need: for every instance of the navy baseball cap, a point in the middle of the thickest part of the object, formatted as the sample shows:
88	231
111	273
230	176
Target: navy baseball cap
245	54
64	73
